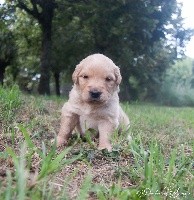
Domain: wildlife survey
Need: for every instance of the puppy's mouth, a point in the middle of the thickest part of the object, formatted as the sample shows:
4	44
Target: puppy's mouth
95	101
95	96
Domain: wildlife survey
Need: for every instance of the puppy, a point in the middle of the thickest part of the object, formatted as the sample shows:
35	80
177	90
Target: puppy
93	101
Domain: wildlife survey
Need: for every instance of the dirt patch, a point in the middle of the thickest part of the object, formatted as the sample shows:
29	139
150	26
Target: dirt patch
42	124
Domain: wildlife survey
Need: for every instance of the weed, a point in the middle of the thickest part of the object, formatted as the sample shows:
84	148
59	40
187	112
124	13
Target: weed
10	102
50	163
156	164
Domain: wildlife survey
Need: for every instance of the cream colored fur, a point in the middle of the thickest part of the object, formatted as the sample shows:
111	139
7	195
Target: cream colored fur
93	101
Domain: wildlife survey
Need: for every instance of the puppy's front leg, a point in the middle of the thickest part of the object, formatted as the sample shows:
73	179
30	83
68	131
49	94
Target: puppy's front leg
105	131
68	123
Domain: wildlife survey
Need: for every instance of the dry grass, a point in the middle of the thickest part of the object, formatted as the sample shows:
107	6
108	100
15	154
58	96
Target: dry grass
129	170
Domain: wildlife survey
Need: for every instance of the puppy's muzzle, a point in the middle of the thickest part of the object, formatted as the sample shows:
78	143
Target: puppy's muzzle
95	95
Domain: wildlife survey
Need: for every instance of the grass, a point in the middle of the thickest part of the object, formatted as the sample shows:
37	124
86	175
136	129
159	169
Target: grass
157	164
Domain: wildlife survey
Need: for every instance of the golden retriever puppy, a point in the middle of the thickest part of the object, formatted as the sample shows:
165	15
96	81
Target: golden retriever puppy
93	101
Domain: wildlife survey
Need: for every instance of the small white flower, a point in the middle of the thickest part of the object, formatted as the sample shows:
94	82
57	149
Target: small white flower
129	138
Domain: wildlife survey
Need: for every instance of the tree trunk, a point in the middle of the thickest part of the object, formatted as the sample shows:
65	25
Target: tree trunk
43	11
45	63
3	66
2	71
57	83
127	93
124	93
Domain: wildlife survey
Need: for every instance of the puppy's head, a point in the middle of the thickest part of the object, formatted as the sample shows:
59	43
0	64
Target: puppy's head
97	78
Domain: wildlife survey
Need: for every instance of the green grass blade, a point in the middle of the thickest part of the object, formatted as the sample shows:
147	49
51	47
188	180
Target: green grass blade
19	163
13	155
26	136
86	186
28	140
46	163
8	194
171	167
22	175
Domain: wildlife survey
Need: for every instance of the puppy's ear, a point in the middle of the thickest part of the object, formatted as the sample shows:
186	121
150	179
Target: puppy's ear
117	75
76	73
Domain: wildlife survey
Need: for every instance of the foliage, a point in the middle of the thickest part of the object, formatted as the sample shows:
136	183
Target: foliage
142	37
7	43
27	32
42	12
163	178
159	180
177	87
50	163
71	41
134	34
10	102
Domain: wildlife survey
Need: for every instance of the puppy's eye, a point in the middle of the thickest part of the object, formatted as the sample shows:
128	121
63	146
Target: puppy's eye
85	77
108	79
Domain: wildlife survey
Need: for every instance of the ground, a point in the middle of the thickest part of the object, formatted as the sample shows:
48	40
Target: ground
160	156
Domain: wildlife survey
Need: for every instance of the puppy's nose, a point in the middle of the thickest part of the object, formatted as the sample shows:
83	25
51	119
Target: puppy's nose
95	94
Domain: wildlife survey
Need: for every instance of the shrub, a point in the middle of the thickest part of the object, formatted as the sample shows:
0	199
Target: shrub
10	101
177	87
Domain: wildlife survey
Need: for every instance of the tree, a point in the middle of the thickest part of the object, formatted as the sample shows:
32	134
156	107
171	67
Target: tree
71	42
6	52
177	85
192	80
7	45
27	35
43	12
135	34
129	31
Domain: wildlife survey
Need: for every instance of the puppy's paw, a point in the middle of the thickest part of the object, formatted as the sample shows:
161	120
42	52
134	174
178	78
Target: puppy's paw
61	141
105	146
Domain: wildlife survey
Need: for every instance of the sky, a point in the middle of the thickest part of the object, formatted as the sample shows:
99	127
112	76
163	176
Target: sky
188	14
